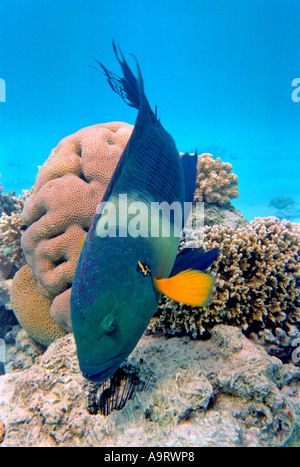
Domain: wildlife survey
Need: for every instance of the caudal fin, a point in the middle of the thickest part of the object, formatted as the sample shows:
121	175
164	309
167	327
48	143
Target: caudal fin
130	88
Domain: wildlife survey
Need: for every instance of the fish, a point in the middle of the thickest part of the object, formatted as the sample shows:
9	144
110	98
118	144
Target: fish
7	250
120	277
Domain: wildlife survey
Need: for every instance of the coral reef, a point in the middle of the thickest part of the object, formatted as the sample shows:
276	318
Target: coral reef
10	203
225	391
11	225
216	183
2	431
32	308
12	257
22	350
5	292
7	320
63	201
281	344
59	211
257	280
213	214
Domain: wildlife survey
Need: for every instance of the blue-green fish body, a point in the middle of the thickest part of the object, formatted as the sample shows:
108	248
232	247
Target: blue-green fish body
120	276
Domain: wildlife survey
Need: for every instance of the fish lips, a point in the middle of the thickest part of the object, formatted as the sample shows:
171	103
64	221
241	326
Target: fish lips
101	372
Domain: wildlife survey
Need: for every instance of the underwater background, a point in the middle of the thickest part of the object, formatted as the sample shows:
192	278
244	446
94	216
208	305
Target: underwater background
225	77
220	71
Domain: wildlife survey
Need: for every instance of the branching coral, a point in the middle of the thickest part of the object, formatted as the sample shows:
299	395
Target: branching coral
60	209
215	181
11	255
257	280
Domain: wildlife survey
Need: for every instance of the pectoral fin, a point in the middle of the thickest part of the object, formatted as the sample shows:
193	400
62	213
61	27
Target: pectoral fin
190	286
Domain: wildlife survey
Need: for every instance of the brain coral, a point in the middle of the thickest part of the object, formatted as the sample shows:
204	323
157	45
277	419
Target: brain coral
61	206
32	308
257	280
215	181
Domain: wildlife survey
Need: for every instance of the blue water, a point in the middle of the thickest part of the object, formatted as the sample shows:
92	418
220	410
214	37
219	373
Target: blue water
220	72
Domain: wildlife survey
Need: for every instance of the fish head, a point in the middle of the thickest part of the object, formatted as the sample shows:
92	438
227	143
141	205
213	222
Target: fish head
112	307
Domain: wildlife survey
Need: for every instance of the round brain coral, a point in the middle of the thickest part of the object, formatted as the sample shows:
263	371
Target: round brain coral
61	206
257	280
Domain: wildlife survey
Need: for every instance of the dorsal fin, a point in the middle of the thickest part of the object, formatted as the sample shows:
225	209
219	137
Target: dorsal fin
189	166
141	168
130	88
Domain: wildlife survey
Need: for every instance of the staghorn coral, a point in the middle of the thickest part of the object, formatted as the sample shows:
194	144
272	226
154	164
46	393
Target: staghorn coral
216	183
257	280
60	209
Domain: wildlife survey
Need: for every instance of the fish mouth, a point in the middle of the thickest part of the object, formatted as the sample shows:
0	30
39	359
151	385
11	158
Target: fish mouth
100	373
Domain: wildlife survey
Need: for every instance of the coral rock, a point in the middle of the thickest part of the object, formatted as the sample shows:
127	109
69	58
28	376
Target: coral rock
2	431
225	391
5	292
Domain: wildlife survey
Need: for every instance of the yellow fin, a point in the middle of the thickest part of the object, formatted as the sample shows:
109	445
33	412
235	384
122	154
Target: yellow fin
191	287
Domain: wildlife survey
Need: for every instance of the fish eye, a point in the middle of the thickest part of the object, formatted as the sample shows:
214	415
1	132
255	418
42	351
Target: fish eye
109	324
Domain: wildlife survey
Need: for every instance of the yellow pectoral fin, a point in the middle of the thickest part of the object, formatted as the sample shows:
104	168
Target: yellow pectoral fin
191	287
